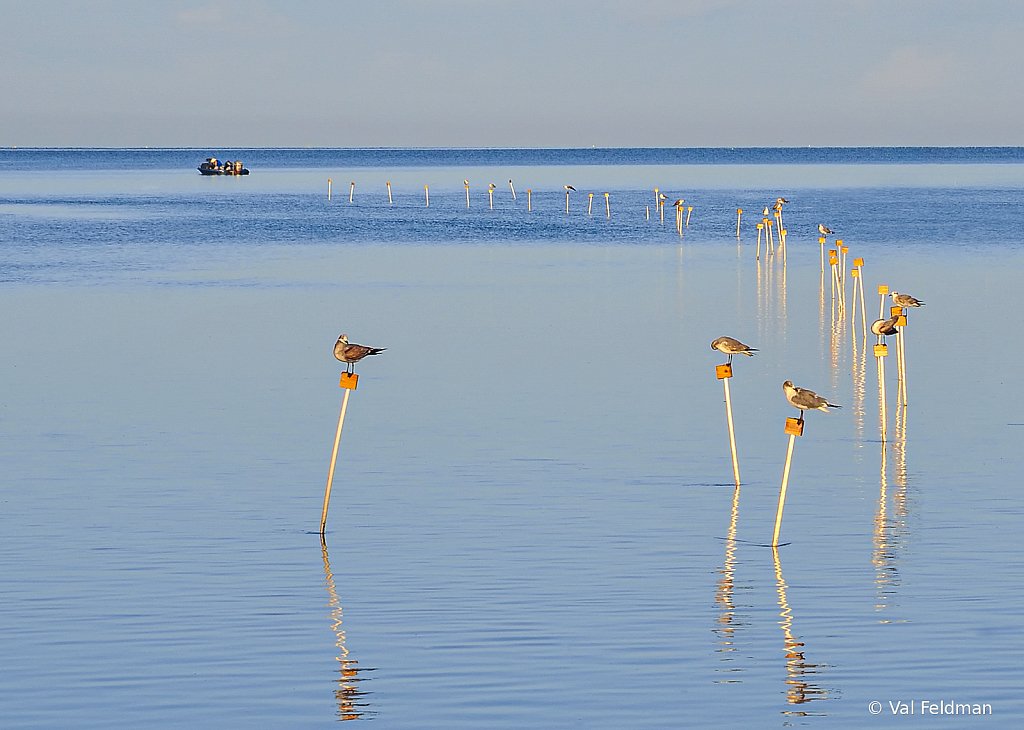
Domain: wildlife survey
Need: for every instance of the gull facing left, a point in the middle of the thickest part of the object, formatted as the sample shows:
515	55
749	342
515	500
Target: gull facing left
731	347
350	354
904	300
805	400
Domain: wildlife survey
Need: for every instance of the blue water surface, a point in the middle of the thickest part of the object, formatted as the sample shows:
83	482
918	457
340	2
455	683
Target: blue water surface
533	520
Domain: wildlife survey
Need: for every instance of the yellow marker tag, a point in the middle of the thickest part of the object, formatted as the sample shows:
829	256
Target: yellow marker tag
854	273
895	311
723	371
794	427
349	380
881	350
883	289
858	262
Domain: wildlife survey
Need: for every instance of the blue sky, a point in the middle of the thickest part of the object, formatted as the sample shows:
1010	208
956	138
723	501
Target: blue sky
511	73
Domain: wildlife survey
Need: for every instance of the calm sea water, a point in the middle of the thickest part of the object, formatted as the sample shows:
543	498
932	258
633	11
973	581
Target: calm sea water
534	521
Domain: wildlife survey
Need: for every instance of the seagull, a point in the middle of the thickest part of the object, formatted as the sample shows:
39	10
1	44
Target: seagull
351	354
492	186
780	201
885	327
805	400
823	231
904	300
765	212
568	188
679	203
466	182
731	347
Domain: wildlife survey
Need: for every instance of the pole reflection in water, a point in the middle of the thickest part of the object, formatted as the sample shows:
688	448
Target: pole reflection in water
859	371
347	693
798	689
890	527
728	622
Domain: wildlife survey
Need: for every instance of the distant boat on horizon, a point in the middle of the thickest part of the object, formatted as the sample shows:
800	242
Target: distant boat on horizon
213	166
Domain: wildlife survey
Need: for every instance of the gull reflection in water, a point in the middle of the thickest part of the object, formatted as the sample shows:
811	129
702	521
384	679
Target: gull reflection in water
347	693
798	689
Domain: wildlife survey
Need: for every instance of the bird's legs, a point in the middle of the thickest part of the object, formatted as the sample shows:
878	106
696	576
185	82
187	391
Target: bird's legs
730	358
801	419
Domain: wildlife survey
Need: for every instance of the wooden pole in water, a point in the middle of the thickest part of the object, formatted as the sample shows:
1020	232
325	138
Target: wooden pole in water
529	200
760	227
351	190
794	427
842	269
513	187
590	202
389	192
902	324
723	373
490	197
854	274
328	189
348	382
689	210
607	206
647	211
880	352
821	245
883	292
426	193
859	263
739	214
832	259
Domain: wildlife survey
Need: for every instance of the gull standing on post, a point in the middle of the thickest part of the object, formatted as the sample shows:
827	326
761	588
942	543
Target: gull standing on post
904	300
824	231
731	347
567	189
805	400
350	354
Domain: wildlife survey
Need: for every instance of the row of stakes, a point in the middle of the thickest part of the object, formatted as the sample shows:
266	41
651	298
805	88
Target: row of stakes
804	399
660	200
883	327
490	195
